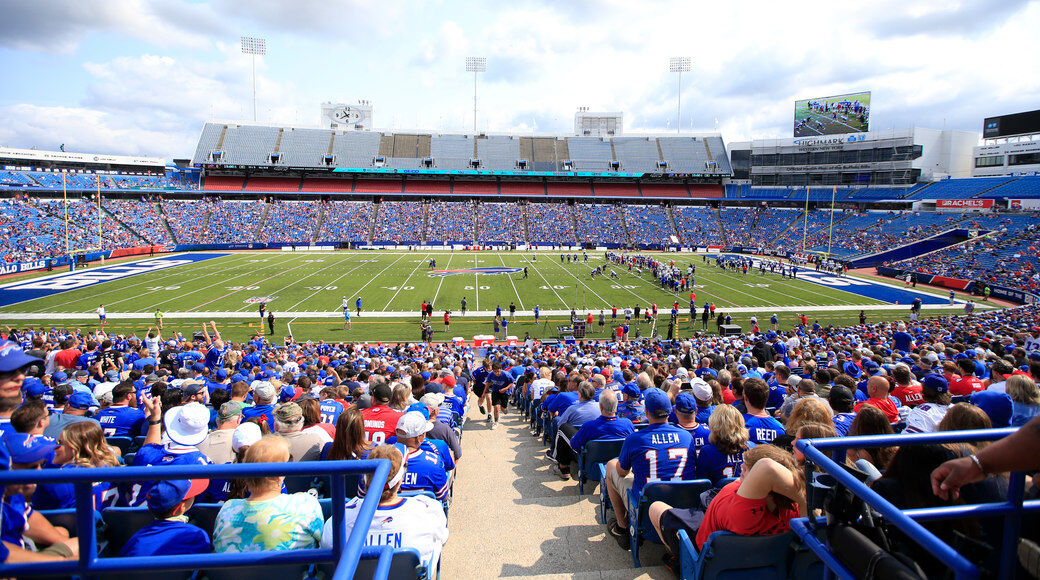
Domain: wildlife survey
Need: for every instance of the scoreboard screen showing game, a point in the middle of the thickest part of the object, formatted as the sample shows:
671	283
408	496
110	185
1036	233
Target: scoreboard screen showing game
832	115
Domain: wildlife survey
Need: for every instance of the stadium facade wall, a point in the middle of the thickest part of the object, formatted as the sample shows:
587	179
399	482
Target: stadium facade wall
918	248
999	292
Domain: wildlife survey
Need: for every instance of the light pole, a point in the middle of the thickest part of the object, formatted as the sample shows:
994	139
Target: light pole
254	46
679	64
475	64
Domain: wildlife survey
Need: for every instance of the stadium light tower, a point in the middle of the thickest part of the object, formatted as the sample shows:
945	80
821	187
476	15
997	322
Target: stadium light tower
679	64
254	46
475	64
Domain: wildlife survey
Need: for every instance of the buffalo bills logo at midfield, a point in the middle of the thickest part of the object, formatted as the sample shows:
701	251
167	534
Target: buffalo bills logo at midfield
484	270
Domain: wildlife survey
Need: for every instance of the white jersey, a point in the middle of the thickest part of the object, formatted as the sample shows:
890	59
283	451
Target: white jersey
416	522
539	386
1032	344
925	417
101	311
346	304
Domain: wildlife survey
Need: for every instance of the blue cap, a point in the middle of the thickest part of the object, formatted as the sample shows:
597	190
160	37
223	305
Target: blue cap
60	377
631	390
167	493
685	403
657	402
220	373
12	357
198	367
852	370
935	382
426	375
33	387
287	393
80	400
997	405
25	448
420	408
871	367
434	388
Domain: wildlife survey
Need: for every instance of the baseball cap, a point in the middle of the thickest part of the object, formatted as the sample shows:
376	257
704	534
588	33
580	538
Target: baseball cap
152	378
288	412
935	382
168	493
701	390
631	390
419	408
413	424
193	388
12	357
685	403
840	396
220	374
245	435
187	424
112	376
434	400
264	390
229	410
997	405
33	387
80	400
287	393
25	448
434	388
59	377
871	367
381	392
198	367
657	402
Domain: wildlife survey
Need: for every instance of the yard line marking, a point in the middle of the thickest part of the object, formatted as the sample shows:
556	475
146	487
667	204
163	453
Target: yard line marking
547	284
446	267
518	298
239	290
587	287
294	282
403	284
330	283
677	294
476	281
373	278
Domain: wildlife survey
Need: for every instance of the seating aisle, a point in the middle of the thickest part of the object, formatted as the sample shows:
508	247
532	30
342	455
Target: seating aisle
511	517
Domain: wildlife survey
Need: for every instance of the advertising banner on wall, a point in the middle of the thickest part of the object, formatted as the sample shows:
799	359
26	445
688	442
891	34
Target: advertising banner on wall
963	203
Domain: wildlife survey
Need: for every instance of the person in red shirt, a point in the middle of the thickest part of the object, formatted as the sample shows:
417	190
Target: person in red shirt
68	356
380	420
620	333
588	320
968	383
447	320
907	390
877	390
768	495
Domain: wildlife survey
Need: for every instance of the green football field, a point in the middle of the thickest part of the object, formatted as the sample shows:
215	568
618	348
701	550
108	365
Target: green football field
306	290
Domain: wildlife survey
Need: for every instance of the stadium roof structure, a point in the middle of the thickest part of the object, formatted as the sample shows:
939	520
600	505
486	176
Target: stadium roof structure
234	146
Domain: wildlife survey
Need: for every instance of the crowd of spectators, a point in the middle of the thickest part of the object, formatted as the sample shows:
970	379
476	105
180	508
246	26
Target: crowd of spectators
399	221
648	224
27	232
346	221
83	223
698	226
290	222
550	223
233	222
142	216
186	219
600	224
499	222
74	180
450	221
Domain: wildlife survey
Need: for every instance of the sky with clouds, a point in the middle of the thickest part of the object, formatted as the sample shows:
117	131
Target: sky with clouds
142	76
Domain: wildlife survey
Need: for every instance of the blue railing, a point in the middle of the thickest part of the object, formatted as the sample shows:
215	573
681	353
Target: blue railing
907	520
345	551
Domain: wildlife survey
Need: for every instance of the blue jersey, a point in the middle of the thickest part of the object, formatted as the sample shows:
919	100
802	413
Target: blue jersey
426	472
700	436
601	428
499	383
140	363
843	422
168	538
16	514
660	452
122	421
776	394
632	410
135	494
265	412
563	401
186	359
330	411
54	496
215	357
714	465
763	429
479	376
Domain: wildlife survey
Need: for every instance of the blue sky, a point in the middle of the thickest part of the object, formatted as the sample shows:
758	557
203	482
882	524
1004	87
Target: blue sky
142	76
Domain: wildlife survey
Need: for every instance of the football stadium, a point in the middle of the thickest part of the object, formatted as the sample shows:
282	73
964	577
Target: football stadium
354	347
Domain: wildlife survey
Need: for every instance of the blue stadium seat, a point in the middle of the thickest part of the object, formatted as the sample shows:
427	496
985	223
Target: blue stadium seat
123	443
121	523
596	452
406	565
735	557
266	572
678	494
65	518
204	515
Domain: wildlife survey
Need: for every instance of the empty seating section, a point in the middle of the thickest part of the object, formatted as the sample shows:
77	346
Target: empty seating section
187	219
333	185
16	179
616	190
290	221
637	154
876	231
223	183
498	151
354	148
648	224
717	150
426	186
1027	186
684	154
249	144
698	226
451	152
90	181
399	222
346	221
499	222
233	222
83	224
574	189
142	217
450	221
303	147
960	188
589	153
378	186
208	142
273	184
28	233
522	188
661	189
703	190
550	223
599	224
1010	257
477	187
